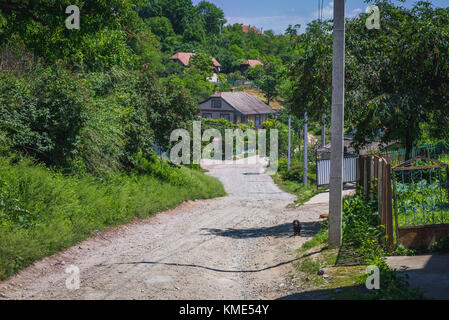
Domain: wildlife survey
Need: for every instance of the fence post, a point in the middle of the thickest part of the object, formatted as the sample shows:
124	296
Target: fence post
447	178
388	207
365	176
360	171
396	222
371	176
380	192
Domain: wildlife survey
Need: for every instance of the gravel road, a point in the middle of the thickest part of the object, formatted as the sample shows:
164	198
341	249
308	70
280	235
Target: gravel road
237	247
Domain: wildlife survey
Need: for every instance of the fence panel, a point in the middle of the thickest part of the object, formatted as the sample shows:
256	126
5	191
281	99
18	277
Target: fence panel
324	168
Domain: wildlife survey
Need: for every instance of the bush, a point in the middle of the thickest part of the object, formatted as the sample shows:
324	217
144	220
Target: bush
42	113
293	174
442	245
361	229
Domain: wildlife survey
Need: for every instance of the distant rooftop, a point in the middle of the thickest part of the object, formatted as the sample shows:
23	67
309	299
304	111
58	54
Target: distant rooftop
249	28
252	63
244	102
184	58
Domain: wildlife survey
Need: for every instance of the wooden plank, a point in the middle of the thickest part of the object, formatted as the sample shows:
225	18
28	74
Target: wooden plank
389	211
395	201
372	180
379	188
365	177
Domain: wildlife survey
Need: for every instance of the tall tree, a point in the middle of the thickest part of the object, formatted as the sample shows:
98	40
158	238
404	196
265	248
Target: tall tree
212	16
403	79
396	78
179	12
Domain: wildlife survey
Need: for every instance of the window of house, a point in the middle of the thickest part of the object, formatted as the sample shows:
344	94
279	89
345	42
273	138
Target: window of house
243	119
225	116
257	122
207	115
216	104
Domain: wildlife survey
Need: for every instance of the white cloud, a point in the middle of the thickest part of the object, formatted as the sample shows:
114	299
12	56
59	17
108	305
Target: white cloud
354	13
276	23
280	23
328	12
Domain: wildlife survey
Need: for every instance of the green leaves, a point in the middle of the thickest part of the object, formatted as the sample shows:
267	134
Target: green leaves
42	113
396	77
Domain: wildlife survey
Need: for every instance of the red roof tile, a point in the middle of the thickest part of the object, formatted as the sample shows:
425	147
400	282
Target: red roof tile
252	63
184	58
247	29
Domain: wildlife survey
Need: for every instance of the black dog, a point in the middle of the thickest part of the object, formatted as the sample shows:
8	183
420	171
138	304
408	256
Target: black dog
296	228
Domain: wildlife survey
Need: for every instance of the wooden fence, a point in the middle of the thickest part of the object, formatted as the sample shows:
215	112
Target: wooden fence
374	178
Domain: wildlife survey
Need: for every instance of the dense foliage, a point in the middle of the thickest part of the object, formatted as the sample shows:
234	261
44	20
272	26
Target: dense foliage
397	78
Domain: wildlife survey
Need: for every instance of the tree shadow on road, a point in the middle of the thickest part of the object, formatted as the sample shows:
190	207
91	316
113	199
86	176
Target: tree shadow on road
285	230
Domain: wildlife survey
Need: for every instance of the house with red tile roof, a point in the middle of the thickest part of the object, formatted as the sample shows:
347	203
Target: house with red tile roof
250	64
183	58
250	28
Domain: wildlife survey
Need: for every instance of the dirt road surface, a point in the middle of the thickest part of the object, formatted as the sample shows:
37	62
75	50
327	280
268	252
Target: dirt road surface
237	247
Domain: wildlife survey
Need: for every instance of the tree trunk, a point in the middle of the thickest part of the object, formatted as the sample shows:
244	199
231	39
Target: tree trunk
408	147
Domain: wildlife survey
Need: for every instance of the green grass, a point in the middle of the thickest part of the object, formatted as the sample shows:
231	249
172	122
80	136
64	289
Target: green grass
43	211
304	193
320	238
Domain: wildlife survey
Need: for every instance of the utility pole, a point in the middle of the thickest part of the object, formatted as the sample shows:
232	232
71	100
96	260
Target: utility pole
338	97
306	147
323	117
289	138
323	130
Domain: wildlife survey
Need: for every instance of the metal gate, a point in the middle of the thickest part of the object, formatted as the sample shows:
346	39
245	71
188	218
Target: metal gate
323	170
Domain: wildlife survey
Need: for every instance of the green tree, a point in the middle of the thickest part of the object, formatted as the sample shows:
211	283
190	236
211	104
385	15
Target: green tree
212	16
195	33
311	72
272	78
179	12
202	62
161	27
256	73
42	113
40	24
403	78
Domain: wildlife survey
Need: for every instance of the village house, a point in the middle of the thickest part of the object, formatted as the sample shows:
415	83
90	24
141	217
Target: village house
248	29
249	64
183	58
237	107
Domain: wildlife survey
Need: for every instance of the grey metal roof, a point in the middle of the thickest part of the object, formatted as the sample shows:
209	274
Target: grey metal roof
245	102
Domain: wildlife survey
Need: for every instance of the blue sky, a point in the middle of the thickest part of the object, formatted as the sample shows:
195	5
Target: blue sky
278	14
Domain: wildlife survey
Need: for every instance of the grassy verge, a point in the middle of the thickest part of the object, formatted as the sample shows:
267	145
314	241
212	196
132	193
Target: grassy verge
304	193
43	211
341	273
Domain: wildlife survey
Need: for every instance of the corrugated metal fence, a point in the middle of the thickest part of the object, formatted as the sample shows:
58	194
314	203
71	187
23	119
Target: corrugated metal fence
324	167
